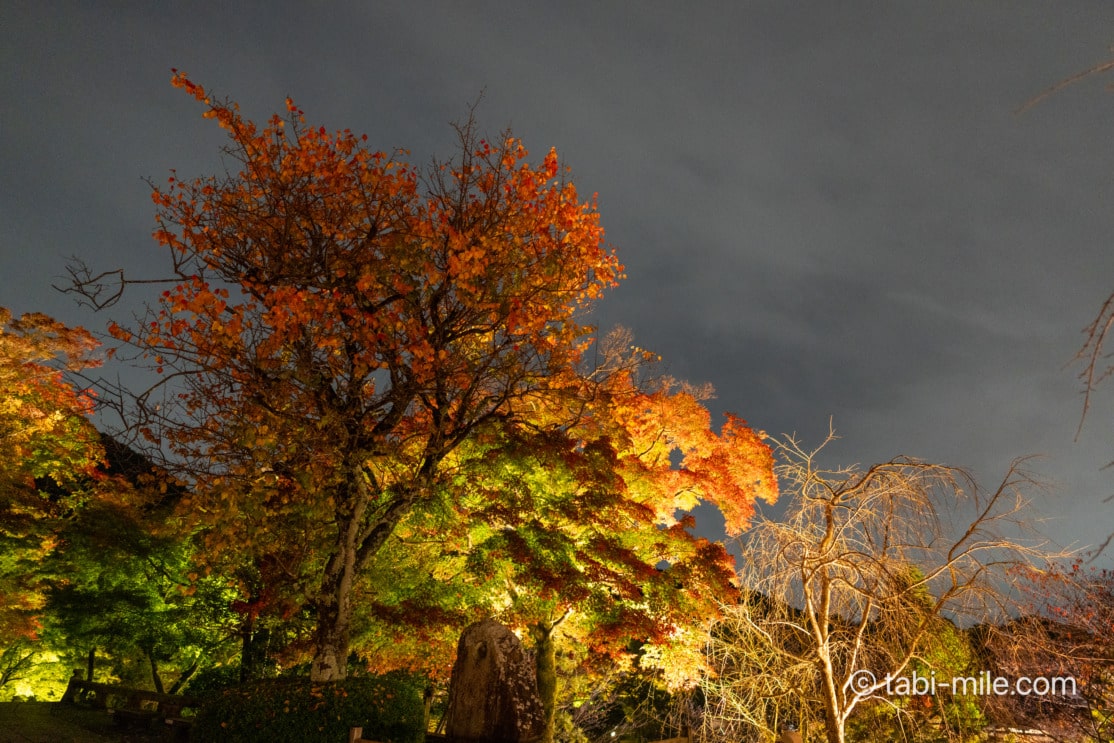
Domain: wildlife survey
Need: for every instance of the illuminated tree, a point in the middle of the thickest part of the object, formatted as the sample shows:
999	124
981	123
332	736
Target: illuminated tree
16	660
861	575
337	324
121	583
44	432
48	455
945	653
579	536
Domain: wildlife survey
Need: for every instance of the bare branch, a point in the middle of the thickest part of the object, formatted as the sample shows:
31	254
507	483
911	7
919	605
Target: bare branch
866	572
102	290
1072	80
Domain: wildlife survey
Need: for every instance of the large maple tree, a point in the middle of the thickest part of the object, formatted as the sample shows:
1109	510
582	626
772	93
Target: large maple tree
340	322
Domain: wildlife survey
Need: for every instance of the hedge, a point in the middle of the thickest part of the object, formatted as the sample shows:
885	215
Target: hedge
388	708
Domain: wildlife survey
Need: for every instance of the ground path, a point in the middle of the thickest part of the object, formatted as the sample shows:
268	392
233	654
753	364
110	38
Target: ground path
41	722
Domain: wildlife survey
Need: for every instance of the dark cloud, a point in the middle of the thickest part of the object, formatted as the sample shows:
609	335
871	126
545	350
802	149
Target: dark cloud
827	212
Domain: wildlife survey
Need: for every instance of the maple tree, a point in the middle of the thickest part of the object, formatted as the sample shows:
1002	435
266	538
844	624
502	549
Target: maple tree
338	323
579	536
44	430
16	660
49	452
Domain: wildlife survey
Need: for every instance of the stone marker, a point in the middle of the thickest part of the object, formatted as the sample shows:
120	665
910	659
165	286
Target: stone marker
493	692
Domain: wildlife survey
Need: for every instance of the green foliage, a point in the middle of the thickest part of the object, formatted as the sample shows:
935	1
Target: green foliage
566	730
116	584
213	680
388	708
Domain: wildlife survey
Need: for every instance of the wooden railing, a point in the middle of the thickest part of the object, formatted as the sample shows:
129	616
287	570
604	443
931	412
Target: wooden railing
134	707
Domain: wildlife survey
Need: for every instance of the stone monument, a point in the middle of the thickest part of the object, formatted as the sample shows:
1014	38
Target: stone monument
493	692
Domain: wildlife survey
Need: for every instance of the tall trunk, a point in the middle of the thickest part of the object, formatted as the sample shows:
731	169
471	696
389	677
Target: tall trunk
833	724
333	605
90	663
545	664
356	543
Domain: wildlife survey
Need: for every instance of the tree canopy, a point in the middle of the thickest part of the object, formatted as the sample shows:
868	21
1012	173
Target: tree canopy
342	330
48	451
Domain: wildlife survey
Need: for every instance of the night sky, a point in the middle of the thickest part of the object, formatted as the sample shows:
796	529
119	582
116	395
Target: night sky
828	213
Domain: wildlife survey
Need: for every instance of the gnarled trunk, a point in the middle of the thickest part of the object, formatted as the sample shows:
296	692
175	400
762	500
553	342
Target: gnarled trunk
333	603
334	619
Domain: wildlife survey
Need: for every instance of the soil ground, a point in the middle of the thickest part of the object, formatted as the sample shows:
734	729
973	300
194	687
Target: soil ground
47	722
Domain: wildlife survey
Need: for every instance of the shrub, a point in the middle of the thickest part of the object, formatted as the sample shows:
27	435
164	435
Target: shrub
213	680
388	708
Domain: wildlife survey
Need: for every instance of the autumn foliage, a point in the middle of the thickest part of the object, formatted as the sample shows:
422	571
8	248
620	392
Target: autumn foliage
571	530
336	331
345	337
43	423
45	440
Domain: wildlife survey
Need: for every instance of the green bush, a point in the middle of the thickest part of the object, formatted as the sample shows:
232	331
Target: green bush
388	708
214	679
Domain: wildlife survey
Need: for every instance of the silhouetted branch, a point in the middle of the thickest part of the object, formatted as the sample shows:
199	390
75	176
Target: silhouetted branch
101	290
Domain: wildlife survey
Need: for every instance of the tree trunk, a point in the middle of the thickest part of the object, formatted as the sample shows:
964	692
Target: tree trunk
89	663
427	704
545	663
183	677
260	648
246	655
253	650
833	725
333	605
832	728
330	640
155	678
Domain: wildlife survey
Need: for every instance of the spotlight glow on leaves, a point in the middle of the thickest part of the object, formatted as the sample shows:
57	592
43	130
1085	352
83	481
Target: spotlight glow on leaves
340	322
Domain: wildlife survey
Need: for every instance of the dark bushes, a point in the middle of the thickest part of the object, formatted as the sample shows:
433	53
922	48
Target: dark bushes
388	708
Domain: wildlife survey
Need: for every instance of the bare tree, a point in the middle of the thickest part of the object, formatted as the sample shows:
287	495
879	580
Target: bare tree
761	681
848	590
